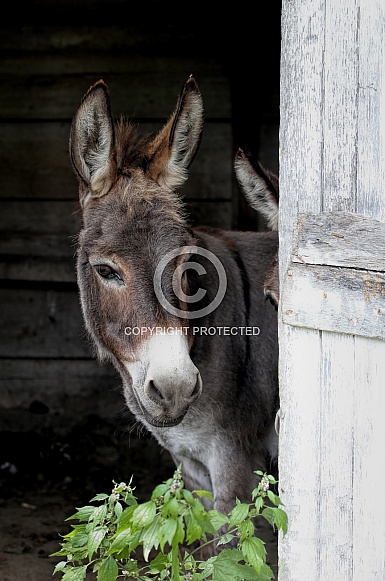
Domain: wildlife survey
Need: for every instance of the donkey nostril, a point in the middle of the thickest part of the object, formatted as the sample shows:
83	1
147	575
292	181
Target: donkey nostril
154	393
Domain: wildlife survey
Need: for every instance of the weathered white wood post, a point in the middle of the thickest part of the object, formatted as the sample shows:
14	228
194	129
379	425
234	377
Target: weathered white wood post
332	275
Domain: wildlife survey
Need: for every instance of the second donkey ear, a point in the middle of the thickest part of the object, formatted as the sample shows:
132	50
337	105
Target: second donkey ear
92	142
259	185
175	146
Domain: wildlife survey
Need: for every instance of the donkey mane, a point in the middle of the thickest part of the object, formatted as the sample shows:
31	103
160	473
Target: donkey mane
131	147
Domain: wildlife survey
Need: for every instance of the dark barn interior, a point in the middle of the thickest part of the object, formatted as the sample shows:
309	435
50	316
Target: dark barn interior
63	426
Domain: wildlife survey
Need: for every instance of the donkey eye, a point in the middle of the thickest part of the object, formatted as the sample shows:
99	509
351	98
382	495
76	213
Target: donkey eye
105	271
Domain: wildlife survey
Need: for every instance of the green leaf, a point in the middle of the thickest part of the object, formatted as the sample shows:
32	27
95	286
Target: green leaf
129	498
175	566
226	538
259	503
94	539
81	528
274	499
167	531
226	567
276	517
238	514
125	519
79	540
159	563
281	520
179	535
171	508
189	498
254	552
118	510
135	540
144	513
132	566
150	537
159	491
108	570
75	574
99	514
204	494
217	519
193	528
265	574
59	566
83	513
99	497
246	529
120	542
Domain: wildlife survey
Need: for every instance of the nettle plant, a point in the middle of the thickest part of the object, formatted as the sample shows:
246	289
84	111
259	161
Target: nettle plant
161	539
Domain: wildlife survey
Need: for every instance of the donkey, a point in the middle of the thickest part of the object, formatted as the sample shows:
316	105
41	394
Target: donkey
198	371
261	189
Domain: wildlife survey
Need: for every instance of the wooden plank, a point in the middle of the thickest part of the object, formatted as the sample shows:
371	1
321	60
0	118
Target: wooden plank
340	239
48	231
369	516
144	95
84	386
22	267
38	240
327	123
141	37
47	70
343	300
370	96
43	324
336	444
368	534
301	425
34	161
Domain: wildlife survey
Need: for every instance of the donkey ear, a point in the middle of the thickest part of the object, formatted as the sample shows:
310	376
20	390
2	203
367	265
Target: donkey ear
175	146
92	142
259	185
271	284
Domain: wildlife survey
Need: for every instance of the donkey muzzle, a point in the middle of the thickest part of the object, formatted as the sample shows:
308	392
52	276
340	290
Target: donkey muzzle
168	400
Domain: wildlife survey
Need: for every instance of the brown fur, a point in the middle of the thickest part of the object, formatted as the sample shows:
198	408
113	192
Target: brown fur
211	401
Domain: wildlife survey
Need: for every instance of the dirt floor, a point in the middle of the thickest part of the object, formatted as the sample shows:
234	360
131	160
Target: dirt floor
43	478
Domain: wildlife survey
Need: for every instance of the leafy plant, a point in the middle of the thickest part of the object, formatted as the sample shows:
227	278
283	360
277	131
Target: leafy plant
161	539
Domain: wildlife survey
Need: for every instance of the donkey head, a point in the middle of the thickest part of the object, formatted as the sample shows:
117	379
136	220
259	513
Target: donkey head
132	218
260	187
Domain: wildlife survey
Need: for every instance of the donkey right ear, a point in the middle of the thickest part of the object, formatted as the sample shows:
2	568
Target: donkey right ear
173	149
259	185
92	143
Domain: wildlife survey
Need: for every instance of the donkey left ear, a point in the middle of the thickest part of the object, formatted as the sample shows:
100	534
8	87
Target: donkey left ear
92	143
175	146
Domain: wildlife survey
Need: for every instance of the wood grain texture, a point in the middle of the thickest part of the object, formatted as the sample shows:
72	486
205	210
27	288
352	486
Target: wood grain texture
35	163
43	324
331	265
58	384
340	239
344	300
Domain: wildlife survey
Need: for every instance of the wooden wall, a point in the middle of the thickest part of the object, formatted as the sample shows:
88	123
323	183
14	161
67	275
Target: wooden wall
51	52
332	348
